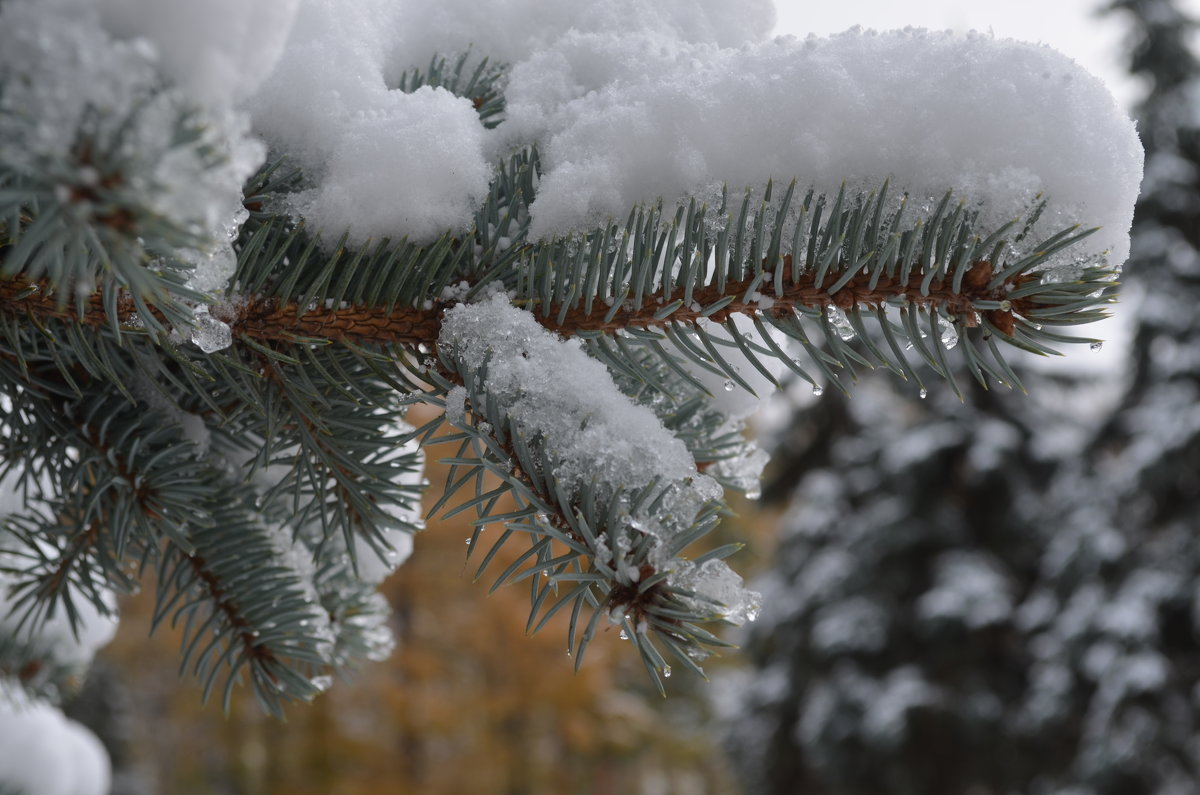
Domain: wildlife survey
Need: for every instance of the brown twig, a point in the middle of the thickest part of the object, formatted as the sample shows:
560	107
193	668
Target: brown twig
267	320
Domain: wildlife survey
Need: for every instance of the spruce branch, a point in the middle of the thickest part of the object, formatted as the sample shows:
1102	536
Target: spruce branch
979	298
327	340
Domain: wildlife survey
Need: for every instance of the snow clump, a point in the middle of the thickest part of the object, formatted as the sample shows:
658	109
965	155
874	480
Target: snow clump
595	435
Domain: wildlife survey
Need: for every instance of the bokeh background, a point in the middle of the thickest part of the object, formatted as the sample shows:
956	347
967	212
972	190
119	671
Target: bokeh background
995	596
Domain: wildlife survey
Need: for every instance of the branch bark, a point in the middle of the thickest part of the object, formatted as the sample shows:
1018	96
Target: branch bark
267	320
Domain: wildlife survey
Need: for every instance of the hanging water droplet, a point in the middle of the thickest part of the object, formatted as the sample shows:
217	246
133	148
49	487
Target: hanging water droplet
624	635
1096	346
666	672
545	572
468	541
728	384
818	390
568	652
754	492
1006	306
924	393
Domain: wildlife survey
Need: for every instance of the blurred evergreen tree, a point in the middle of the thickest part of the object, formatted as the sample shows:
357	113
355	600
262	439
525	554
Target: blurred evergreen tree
981	600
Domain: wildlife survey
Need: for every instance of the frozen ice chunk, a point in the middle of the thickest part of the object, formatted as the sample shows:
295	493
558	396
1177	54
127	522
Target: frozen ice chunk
715	581
212	269
209	334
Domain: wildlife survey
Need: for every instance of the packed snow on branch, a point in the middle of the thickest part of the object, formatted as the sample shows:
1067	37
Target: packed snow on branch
629	101
597	438
44	752
997	121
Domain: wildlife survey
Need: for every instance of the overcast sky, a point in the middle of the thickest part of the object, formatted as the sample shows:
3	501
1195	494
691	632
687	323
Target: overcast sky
1070	26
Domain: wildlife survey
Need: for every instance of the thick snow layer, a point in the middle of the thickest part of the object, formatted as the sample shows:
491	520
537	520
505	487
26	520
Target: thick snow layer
42	752
410	164
512	30
66	81
553	391
997	120
218	51
632	101
551	386
385	163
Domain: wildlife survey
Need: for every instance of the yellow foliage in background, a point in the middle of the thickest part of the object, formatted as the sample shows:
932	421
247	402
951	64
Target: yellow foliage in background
467	704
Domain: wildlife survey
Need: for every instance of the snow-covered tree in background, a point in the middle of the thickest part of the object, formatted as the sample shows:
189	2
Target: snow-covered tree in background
1001	597
238	240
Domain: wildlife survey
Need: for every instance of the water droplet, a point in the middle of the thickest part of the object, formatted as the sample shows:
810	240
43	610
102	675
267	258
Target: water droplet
624	635
1006	306
728	384
1096	346
545	572
754	492
468	541
818	390
568	652
924	393
666	672
321	683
